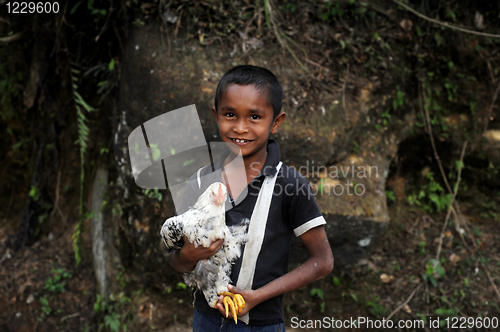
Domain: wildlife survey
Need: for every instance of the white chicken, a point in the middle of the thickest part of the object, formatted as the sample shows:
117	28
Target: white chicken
202	224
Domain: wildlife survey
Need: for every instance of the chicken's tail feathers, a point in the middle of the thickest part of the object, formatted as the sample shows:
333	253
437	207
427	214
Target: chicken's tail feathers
171	233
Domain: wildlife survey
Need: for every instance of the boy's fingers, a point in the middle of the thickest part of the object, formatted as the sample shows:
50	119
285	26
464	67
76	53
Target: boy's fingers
216	244
234	289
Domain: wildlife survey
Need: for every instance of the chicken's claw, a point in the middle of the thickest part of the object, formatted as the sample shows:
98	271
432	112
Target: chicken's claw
235	302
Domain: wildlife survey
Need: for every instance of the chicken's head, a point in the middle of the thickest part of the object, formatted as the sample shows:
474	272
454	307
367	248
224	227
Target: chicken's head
217	193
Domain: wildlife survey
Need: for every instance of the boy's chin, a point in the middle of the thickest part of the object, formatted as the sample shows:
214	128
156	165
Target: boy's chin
234	148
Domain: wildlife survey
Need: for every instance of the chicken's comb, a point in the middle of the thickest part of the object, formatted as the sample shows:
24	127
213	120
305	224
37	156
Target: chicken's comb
220	193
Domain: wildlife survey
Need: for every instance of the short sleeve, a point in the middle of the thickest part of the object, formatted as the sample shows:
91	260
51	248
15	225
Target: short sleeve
303	212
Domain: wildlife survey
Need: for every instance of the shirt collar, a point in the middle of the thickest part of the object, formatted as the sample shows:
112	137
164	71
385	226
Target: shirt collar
272	160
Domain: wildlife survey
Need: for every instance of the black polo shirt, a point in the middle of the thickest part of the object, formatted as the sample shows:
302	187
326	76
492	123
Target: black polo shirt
292	211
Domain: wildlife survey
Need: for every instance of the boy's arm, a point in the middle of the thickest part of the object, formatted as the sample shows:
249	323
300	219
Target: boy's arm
318	265
185	259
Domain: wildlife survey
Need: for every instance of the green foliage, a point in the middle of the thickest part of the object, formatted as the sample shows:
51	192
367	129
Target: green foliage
120	278
82	108
34	193
330	10
321	295
46	309
452	312
99	13
155	152
390	195
290	8
108	76
386	118
153	194
399	100
431	197
422	245
11	78
112	311
181	286
433	270
57	284
117	209
321	186
317	292
376	309
355	148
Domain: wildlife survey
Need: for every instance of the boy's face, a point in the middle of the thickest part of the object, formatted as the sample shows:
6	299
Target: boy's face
245	118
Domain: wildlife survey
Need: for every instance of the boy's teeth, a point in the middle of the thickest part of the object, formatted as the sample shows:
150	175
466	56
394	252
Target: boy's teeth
240	140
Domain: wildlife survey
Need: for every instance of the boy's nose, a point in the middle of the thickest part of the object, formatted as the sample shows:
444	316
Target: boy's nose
240	127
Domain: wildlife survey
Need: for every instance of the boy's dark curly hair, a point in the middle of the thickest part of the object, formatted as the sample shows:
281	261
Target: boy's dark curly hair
263	79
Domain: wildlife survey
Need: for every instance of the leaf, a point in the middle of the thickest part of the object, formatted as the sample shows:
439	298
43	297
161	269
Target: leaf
399	97
111	65
440	311
336	281
155	152
75	7
318	292
112	322
419	31
390	195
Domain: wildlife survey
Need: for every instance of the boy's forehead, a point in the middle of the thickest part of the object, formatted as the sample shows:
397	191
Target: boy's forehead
262	92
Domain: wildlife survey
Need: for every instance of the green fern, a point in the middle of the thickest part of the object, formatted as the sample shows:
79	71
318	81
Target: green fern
83	135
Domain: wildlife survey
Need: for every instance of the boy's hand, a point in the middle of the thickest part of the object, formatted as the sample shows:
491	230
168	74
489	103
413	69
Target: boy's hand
194	254
185	259
248	295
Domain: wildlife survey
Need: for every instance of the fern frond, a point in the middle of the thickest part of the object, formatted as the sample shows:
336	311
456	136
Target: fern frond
83	136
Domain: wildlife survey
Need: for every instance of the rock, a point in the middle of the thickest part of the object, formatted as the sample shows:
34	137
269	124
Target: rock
492	146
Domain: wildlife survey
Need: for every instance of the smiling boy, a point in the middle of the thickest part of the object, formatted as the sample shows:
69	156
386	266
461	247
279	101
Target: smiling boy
279	203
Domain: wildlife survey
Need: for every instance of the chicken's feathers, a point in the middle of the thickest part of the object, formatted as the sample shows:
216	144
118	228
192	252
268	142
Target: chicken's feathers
201	225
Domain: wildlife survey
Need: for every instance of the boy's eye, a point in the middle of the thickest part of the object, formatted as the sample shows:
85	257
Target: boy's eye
229	115
255	117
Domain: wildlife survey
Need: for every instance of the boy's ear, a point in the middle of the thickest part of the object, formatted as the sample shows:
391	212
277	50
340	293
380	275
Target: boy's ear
216	116
277	122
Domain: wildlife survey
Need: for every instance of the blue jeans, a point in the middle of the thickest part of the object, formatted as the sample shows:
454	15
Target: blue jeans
203	322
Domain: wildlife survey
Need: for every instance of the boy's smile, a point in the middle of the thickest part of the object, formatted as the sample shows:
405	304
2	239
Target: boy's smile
246	118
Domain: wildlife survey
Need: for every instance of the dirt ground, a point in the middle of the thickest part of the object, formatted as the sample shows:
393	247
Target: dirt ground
36	294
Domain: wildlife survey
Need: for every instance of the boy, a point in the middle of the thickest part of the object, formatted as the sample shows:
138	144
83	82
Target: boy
247	110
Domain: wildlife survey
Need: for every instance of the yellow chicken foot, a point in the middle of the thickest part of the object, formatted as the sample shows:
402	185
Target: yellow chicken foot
235	302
